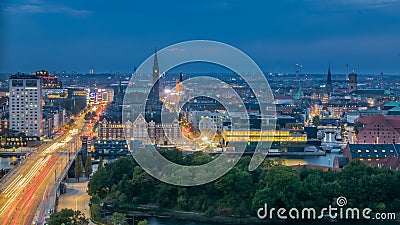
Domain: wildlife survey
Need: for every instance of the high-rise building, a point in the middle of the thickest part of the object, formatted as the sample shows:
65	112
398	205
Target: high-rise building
352	82
25	104
329	87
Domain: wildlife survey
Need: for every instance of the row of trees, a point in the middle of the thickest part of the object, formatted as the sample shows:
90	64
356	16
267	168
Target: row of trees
90	115
75	104
122	185
79	168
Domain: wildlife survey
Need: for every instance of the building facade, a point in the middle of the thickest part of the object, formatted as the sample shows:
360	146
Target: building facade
147	133
379	129
352	82
208	118
25	104
374	155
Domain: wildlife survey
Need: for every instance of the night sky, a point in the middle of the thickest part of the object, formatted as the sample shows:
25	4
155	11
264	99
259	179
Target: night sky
76	35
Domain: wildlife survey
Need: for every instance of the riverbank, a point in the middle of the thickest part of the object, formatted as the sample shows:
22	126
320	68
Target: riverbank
144	211
193	218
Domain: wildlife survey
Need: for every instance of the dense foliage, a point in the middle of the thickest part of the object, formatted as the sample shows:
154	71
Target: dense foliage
75	104
123	184
68	217
78	170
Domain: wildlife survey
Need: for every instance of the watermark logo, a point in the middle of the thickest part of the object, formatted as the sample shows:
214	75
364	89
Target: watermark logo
338	212
144	106
341	201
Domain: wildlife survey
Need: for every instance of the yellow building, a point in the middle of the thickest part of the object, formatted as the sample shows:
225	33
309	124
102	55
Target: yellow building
265	136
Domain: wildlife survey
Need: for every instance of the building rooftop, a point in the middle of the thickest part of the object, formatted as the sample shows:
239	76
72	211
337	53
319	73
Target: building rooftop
395	109
392	103
373	151
390	121
23	76
371	92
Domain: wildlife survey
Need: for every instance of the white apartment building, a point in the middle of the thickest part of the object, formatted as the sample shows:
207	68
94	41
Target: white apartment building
208	119
25	104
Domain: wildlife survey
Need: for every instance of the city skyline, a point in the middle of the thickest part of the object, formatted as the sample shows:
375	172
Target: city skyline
199	112
78	36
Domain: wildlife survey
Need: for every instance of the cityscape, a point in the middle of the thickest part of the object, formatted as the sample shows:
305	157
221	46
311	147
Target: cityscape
195	123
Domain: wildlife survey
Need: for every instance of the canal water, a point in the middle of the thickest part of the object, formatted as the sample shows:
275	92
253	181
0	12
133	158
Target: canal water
167	221
326	160
5	162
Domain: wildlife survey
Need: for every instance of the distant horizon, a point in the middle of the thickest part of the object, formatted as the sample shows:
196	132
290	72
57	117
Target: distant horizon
77	35
199	72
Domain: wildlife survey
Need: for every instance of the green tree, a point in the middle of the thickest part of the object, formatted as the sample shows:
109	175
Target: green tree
357	126
280	187
143	222
88	166
101	166
316	120
95	211
78	167
96	126
118	218
68	217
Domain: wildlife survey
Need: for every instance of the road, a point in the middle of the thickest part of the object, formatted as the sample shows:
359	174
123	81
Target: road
76	197
31	183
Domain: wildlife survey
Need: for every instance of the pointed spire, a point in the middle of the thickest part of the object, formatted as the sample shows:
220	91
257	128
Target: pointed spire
329	74
156	71
329	87
181	77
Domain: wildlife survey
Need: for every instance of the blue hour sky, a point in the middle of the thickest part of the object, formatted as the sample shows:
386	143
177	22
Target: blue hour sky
76	35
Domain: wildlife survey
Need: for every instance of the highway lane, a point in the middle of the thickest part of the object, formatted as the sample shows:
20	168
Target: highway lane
28	186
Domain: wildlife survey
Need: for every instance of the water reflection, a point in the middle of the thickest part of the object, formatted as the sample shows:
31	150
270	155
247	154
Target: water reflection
326	160
5	162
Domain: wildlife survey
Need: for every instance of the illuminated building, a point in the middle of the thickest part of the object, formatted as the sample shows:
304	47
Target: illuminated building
282	139
55	93
101	96
147	133
110	147
382	155
338	108
49	81
111	130
218	118
178	87
266	136
25	104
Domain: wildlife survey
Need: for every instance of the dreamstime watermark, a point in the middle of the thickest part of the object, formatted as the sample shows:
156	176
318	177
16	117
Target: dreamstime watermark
139	102
338	212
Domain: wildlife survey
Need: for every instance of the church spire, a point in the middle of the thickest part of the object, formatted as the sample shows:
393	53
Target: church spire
329	87
329	75
156	70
